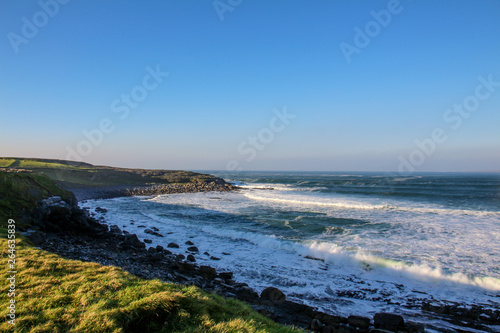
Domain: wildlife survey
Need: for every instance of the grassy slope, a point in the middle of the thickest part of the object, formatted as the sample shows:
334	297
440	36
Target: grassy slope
78	174
60	295
20	192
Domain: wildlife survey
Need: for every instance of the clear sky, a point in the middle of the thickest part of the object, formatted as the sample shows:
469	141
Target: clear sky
345	85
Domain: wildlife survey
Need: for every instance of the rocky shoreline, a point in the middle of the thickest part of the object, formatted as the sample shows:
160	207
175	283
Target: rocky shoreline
108	192
71	232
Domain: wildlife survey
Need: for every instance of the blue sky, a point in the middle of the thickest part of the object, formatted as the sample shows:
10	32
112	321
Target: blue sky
65	64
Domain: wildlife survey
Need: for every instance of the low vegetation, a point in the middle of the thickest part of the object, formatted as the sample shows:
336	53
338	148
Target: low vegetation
54	294
78	174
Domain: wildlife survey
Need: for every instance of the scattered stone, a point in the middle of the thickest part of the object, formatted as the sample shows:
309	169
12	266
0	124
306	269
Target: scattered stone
173	245
389	321
413	327
358	321
191	258
189	243
159	248
141	226
193	249
206	253
37	237
226	254
273	294
214	258
132	241
151	232
181	257
148	241
115	229
316	325
207	272
226	275
155	228
185	267
98	209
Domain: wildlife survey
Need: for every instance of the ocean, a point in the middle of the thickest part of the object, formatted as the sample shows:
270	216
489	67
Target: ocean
348	243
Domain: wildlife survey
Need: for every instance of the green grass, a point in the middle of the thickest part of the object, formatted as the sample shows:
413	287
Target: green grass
5	162
33	164
60	295
20	193
77	174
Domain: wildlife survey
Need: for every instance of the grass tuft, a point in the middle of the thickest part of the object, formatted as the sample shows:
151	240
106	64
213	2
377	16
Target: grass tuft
60	295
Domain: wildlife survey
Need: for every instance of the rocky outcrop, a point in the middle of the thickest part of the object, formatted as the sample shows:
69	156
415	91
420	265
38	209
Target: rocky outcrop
56	215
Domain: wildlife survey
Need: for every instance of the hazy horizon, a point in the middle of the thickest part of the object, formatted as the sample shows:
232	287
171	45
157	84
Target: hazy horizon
384	86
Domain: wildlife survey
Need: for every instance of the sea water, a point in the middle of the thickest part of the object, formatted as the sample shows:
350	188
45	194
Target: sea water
345	242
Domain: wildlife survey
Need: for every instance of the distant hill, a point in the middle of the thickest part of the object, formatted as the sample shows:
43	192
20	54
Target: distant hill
72	174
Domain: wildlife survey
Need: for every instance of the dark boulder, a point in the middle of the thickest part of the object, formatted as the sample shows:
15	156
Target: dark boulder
189	243
193	249
207	272
358	321
273	294
173	245
148	241
226	275
191	258
132	241
389	321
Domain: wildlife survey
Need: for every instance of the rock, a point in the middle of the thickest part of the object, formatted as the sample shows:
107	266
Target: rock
131	240
159	248
413	327
51	201
152	250
207	272
273	294
37	237
218	281
191	258
226	275
185	267
189	243
181	256
206	253
115	229
141	226
226	254
148	241
214	258
101	210
389	321
246	293
151	232
173	245
155	228
193	249
316	325
358	321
